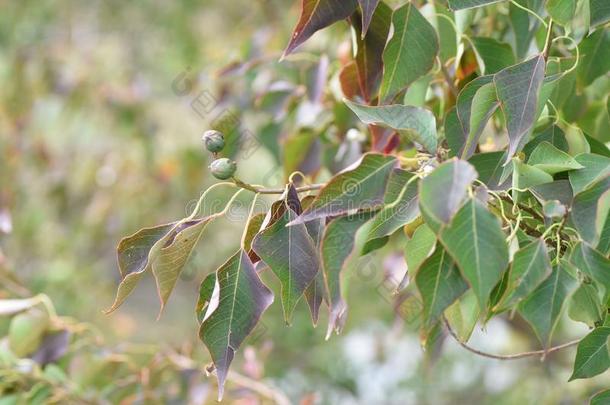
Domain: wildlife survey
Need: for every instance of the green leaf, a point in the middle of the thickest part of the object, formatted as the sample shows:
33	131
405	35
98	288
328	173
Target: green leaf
232	315
595	168
410	52
414	123
518	87
542	309
164	249
475	240
590	210
595	57
299	149
369	48
252	228
599	11
592	263
562	11
361	188
463	315
492	54
601	398
462	4
439	283
558	190
290	253
490	169
318	14
526	176
548	158
524	25
585	306
419	248
367	8
457	125
484	104
442	192
337	246
393	216
530	267
552	134
592	356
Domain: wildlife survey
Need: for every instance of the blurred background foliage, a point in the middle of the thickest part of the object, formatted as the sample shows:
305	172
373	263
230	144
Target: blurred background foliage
100	119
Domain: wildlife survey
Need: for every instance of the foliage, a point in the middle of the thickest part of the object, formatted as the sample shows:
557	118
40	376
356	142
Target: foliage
489	140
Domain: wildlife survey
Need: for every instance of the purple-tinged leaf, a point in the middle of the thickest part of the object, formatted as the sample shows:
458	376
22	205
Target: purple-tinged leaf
318	14
361	188
367	8
290	253
337	246
52	348
369	50
235	305
518	87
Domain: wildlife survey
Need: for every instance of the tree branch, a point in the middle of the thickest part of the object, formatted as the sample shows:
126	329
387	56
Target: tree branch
541	353
261	190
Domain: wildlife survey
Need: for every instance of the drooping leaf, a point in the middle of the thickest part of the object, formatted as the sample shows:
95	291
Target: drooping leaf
531	266
542	309
548	158
526	176
585	306
439	283
318	14
252	228
369	48
595	168
562	11
463	315
315	293
595	57
592	263
448	37
518	87
393	216
599	11
410	52
484	104
164	249
442	192
232	315
414	123
524	25
476	242
592	356
590	210
463	4
367	8
290	253
337	245
361	188
492	54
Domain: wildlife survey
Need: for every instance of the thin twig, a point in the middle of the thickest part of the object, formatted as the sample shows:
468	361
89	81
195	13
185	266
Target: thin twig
261	190
260	388
541	353
547	43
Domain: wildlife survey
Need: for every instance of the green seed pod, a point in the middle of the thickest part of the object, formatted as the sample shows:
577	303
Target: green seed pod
223	168
214	140
26	331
